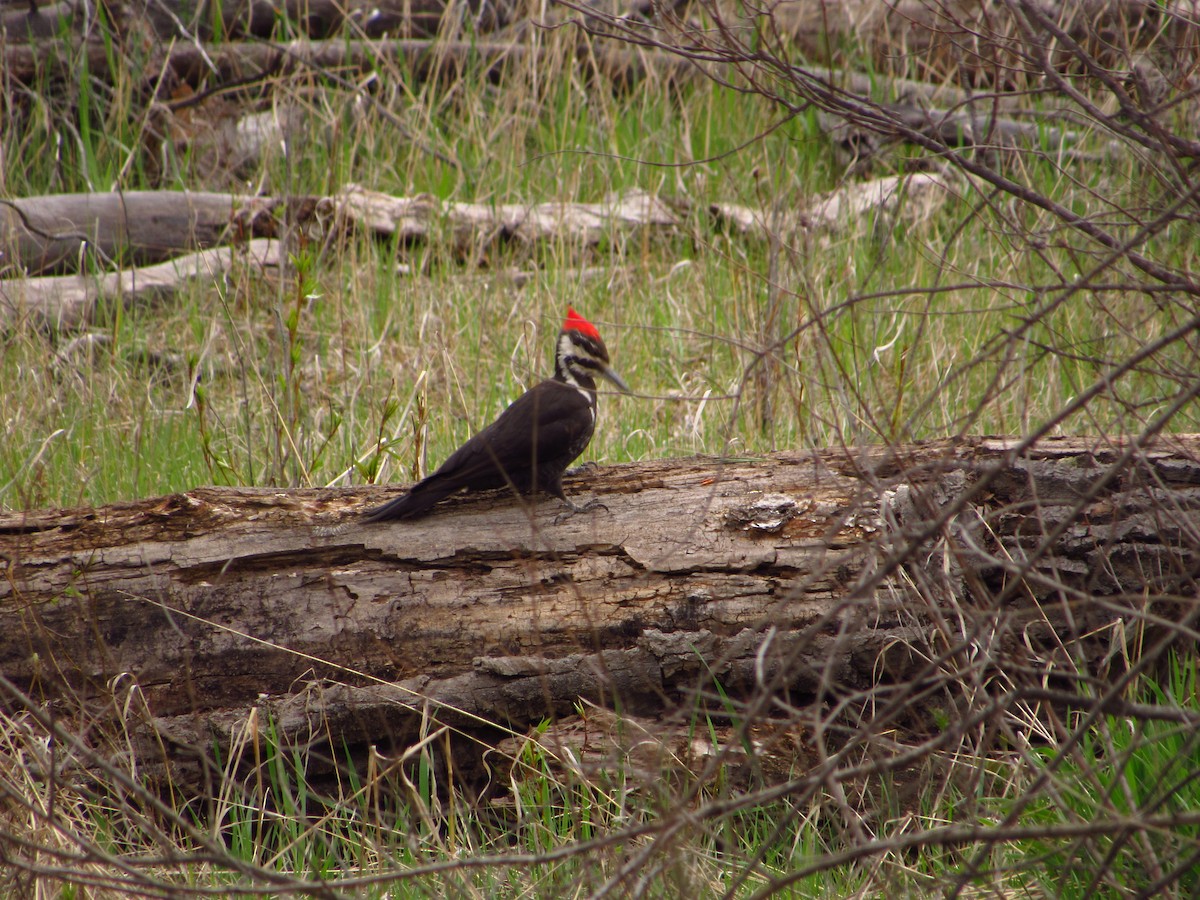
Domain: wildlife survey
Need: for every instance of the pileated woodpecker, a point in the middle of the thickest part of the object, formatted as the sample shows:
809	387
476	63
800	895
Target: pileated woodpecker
530	446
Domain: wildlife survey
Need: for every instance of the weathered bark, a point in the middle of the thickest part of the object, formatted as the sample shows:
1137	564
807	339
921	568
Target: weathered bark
242	62
186	63
51	231
969	41
48	233
84	232
814	573
62	302
45	21
263	19
921	193
937	111
412	218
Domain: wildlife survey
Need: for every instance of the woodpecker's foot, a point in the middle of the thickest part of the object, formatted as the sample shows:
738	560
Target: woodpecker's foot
578	508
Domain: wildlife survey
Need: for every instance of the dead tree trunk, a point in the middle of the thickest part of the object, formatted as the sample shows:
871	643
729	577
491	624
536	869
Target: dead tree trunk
807	573
53	232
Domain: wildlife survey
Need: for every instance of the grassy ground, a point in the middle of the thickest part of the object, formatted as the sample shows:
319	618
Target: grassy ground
299	377
895	327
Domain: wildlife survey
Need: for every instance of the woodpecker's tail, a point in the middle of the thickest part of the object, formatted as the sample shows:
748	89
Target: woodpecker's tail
416	502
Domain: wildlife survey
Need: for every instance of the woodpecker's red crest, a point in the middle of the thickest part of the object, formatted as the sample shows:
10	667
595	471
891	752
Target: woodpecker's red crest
576	322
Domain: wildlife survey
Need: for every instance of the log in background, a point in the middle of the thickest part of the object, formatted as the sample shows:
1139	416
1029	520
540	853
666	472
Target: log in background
810	574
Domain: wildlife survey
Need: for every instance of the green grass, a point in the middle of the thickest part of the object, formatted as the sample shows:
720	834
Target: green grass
297	374
402	815
1124	769
899	326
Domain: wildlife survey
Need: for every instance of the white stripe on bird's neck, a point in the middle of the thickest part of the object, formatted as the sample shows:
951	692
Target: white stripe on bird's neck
567	347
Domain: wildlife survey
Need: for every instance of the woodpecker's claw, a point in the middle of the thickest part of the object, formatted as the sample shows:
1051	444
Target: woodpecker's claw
574	508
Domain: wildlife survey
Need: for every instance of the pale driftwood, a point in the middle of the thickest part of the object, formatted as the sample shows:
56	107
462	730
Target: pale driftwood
416	217
922	193
70	301
224	606
117	223
63	232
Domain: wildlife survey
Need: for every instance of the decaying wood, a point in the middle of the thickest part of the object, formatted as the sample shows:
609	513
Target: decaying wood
183	19
195	65
977	42
939	112
954	41
410	218
45	20
53	230
67	302
921	193
86	232
221	607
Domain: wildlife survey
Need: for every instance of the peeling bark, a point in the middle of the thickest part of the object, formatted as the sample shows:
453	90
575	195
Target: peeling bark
63	302
815	573
86	232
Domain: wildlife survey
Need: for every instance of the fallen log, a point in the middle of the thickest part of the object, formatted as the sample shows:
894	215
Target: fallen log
206	20
914	197
410	218
59	232
55	230
942	113
241	62
87	232
806	574
67	302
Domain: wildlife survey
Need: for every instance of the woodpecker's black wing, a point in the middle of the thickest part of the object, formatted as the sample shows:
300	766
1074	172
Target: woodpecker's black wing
528	446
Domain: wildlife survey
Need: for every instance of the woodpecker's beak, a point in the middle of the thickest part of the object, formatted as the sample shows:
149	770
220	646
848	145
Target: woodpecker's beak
611	374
